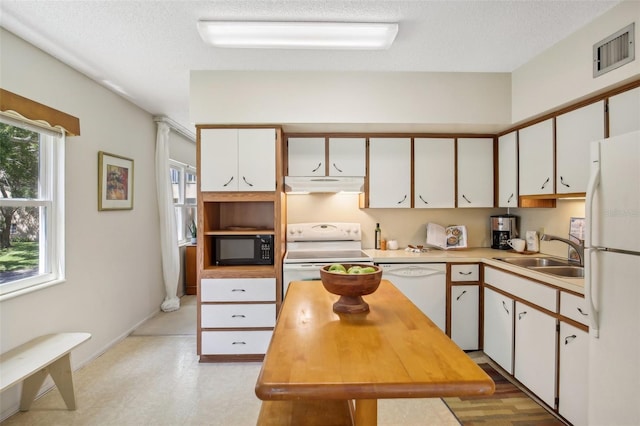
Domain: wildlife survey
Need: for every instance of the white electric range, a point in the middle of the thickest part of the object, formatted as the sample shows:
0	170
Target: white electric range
310	246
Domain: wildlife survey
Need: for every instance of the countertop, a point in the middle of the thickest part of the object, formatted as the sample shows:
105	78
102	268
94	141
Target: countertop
478	254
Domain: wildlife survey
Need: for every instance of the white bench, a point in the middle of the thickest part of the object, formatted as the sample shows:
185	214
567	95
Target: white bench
32	361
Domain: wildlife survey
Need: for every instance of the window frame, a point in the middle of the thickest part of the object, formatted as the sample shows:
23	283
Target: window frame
51	205
183	218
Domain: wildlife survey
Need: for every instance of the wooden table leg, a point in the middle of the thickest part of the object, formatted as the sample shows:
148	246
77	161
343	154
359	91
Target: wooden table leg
366	412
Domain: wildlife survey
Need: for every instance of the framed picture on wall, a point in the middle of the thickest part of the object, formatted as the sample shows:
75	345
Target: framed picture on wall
115	182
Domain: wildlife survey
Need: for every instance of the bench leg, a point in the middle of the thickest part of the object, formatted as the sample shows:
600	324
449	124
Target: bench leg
60	371
30	388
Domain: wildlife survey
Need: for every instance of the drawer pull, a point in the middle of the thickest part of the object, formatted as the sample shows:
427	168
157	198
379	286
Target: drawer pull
237	316
242	290
461	294
582	312
465	273
522	314
569	339
239	343
504	305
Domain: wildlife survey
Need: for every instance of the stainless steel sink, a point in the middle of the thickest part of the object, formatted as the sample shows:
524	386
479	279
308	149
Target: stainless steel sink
560	271
528	262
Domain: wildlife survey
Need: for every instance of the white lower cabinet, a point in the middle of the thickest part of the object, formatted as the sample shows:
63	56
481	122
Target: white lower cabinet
498	328
572	379
535	351
237	315
465	306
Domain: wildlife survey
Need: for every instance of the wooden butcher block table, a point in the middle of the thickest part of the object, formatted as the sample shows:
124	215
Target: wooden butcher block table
319	361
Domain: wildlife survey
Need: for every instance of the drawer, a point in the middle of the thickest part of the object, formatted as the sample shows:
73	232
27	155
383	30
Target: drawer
238	316
235	342
465	273
538	294
574	307
238	290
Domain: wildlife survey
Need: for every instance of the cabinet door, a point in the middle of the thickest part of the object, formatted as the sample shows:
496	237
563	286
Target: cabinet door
465	308
347	157
535	352
218	165
306	157
257	160
498	328
572	377
475	172
434	168
624	112
508	170
390	172
575	131
535	159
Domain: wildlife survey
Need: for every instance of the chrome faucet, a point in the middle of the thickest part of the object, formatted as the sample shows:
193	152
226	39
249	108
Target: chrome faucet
578	247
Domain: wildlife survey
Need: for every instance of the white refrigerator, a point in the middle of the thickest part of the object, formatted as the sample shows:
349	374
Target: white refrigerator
612	281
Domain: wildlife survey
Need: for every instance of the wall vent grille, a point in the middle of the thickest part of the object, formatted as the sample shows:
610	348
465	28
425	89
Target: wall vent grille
614	51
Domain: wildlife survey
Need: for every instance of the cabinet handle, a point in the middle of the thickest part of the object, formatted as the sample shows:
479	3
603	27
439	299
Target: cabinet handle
510	198
336	167
237	316
316	169
245	181
504	305
565	184
239	343
522	314
582	312
402	201
569	339
238	289
466	199
465	273
545	183
461	294
423	200
228	182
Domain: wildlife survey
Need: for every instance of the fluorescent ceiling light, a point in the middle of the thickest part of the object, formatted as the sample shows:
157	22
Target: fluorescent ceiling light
298	35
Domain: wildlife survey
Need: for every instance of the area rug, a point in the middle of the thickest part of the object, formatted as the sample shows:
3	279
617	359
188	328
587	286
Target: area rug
507	406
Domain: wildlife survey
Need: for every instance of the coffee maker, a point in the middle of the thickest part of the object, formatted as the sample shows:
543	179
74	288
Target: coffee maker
503	228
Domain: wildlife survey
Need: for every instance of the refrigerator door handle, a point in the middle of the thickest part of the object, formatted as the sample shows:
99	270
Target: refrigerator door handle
590	286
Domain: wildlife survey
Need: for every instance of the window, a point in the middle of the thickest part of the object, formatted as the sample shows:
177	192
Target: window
183	183
31	207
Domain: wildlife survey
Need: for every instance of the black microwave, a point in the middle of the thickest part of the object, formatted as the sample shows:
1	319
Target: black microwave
243	250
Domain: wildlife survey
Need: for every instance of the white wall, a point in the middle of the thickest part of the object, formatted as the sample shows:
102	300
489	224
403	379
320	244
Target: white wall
563	74
113	264
480	101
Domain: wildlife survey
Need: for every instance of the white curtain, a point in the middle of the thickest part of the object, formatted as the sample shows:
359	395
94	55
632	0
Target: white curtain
168	236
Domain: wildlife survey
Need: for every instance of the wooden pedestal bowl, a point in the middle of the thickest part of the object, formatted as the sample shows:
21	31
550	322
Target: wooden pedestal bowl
351	287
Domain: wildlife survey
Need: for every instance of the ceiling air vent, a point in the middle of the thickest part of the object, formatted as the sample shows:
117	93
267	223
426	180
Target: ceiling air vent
614	51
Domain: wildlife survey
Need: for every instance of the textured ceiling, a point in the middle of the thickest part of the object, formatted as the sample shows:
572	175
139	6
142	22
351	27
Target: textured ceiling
145	49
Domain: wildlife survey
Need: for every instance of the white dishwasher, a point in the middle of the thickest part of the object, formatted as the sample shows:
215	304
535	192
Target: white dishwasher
425	284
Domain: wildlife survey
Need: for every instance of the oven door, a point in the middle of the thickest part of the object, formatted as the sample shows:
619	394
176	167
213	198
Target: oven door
299	272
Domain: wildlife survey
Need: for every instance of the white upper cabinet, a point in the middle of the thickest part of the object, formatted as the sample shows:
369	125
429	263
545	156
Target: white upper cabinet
535	158
475	172
624	112
508	170
237	159
347	157
390	172
575	131
306	157
434	173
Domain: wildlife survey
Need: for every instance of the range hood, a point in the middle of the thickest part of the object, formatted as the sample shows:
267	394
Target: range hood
310	184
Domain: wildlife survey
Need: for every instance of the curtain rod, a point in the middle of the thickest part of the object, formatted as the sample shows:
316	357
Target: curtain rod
176	127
